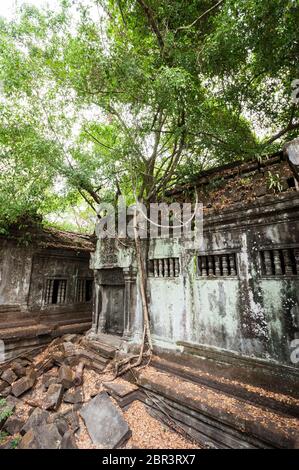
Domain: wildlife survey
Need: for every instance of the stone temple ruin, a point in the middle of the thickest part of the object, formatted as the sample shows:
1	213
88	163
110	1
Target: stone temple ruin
45	289
224	318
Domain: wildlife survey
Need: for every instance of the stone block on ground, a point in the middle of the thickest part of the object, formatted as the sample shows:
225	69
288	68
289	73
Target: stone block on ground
44	366
12	402
3	385
105	423
123	392
5	392
23	384
68	441
66	376
62	425
19	369
48	380
13	425
36	418
121	389
71	338
53	397
72	419
74	396
9	376
45	436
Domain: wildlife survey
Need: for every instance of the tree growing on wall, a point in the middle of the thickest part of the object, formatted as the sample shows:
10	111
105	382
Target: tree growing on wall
131	97
135	96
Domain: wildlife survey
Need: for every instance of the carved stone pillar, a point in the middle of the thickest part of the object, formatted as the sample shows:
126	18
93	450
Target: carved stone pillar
232	264
129	301
97	305
287	262
224	265
166	270
171	267
217	266
176	267
156	273
268	263
204	266
277	262
210	265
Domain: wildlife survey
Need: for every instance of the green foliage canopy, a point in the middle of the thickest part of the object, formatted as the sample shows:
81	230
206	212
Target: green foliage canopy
131	97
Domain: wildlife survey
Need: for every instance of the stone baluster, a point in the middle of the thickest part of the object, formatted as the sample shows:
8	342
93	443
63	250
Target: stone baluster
199	263
166	270
156	271
217	266
296	253
277	262
268	263
224	265
287	262
160	267
210	265
176	267
204	266
232	264
171	267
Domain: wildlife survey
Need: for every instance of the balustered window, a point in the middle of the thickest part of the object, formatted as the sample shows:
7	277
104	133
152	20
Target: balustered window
55	291
84	290
164	267
217	265
279	262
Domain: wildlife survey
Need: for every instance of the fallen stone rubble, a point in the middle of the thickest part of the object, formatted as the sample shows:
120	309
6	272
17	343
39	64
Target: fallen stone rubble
51	393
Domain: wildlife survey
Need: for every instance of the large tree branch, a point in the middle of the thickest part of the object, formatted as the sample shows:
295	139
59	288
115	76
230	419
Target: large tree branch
290	127
200	17
153	24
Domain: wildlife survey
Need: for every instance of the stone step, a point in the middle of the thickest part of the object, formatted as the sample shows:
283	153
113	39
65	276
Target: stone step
9	308
22	332
215	417
94	360
100	348
8	324
235	387
78	327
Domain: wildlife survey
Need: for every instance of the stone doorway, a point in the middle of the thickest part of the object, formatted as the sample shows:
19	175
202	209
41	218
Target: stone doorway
115	310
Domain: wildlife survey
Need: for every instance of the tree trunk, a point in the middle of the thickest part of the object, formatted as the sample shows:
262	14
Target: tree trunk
142	281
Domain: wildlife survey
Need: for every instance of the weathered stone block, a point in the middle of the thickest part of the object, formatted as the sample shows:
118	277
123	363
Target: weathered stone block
23	385
72	419
54	397
66	376
105	424
5	392
49	380
37	418
19	370
68	441
45	436
13	425
3	385
74	396
9	376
